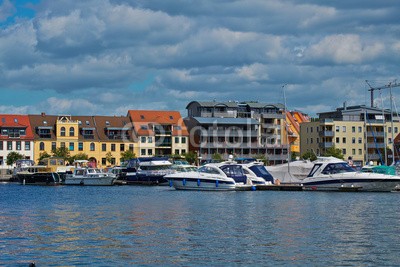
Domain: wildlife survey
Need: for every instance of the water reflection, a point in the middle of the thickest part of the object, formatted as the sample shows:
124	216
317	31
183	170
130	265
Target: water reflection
157	225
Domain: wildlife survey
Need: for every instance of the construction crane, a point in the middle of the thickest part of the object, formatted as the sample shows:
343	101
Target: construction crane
387	86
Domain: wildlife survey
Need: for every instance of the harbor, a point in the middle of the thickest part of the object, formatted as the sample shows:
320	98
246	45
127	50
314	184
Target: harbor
141	225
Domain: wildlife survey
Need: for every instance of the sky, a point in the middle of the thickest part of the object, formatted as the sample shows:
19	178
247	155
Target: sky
105	57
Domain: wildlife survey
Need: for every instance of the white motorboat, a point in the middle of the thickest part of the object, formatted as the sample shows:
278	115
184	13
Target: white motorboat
257	173
89	176
148	171
334	174
214	177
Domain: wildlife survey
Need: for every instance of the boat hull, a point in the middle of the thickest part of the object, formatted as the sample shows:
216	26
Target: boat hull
48	179
89	180
368	185
142	179
202	184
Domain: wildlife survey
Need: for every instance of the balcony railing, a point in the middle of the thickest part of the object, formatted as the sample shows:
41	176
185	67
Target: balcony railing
326	133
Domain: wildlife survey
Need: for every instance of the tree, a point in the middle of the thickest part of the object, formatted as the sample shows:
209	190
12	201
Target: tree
127	155
216	156
43	155
333	152
13	156
309	155
262	158
109	157
79	156
61	152
191	157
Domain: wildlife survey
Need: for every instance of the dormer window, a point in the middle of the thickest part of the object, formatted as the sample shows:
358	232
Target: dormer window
3	120
142	117
87	123
107	123
171	117
45	122
80	122
16	120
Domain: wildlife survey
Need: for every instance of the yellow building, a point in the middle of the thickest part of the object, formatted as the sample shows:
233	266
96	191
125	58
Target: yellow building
96	136
362	133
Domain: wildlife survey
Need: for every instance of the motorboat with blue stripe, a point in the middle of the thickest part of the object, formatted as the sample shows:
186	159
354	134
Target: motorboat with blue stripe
212	177
257	173
332	174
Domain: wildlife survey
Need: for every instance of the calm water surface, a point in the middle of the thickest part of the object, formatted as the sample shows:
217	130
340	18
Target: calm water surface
128	225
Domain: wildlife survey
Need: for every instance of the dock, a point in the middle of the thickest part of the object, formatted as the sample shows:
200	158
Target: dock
281	187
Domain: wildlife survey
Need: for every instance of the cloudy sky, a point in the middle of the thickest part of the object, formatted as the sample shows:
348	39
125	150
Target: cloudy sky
104	57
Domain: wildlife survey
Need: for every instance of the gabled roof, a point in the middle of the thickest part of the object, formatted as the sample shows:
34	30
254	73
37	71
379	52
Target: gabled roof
163	117
105	123
16	121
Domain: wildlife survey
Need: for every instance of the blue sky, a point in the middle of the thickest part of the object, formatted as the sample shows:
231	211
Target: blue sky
104	57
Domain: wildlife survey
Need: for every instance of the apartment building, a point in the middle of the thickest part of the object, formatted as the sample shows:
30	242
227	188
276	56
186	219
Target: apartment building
363	133
245	129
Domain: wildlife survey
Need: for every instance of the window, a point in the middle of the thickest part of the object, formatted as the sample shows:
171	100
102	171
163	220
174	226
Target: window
112	161
344	151
107	123
103	147
344	128
71	146
143	139
80	146
359	129
1	145
121	147
18	145
112	147
53	146
62	144
143	152
92	147
183	151
353	151
176	140
71	131
311	141
27	145
390	140
311	129
103	161
337	140
360	151
344	140
353	129
62	131
353	140
183	140
150	151
360	140
396	130
176	151
337	129
131	147
150	139
41	146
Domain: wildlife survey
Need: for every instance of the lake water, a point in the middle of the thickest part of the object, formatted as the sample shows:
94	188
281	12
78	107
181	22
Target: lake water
128	225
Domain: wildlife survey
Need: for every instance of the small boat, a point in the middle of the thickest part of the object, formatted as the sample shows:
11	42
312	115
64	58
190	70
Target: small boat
148	171
224	176
334	174
83	175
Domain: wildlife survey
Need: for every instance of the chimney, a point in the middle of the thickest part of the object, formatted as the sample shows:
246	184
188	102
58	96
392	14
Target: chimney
43	114
345	105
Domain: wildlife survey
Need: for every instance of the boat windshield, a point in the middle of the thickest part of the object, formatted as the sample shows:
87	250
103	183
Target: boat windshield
232	170
208	169
340	167
155	168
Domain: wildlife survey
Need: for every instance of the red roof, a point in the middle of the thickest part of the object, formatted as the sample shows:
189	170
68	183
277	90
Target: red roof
16	121
163	117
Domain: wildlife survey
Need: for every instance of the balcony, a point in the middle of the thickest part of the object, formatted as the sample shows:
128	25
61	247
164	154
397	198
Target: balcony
376	134
325	144
273	116
376	145
227	133
326	133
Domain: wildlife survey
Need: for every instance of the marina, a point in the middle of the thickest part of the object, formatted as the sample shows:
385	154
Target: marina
158	225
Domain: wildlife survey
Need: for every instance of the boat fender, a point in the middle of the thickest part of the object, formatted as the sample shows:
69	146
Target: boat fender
216	183
184	181
253	188
170	183
198	182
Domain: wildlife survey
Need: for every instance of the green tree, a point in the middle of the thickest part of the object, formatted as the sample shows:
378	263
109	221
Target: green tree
79	156
333	152
43	155
127	155
262	158
13	156
61	152
109	157
216	156
191	157
309	155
